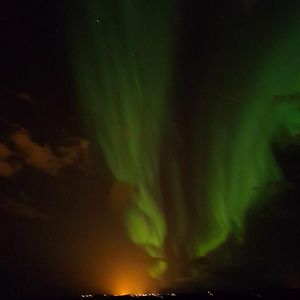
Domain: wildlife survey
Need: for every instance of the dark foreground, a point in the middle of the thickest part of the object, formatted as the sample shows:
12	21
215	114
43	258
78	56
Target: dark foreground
284	294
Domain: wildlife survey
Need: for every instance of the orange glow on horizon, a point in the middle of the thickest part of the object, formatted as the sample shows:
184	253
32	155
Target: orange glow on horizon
130	282
125	273
125	280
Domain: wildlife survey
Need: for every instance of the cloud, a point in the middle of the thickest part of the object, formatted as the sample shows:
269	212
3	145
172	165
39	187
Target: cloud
22	210
4	152
25	97
77	151
43	157
6	168
248	5
39	157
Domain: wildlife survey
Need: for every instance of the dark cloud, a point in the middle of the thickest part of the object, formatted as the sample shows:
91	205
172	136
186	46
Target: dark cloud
22	210
4	152
76	151
25	97
41	157
6	168
248	5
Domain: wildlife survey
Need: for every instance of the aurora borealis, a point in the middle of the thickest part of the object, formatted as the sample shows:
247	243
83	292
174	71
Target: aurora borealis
126	105
125	82
249	166
125	79
149	145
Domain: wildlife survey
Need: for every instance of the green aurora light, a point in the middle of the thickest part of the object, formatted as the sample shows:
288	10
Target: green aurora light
123	68
123	62
241	163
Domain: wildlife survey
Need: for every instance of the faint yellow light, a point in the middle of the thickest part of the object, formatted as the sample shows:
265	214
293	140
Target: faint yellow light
129	284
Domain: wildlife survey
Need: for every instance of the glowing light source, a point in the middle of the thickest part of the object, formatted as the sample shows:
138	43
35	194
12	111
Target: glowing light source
128	285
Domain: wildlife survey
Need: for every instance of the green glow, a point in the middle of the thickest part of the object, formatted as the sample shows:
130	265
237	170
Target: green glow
241	166
122	66
241	160
157	269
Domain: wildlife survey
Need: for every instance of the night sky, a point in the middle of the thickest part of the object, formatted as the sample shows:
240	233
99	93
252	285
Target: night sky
149	145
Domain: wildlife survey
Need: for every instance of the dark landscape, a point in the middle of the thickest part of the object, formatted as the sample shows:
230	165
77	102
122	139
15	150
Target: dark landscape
276	294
